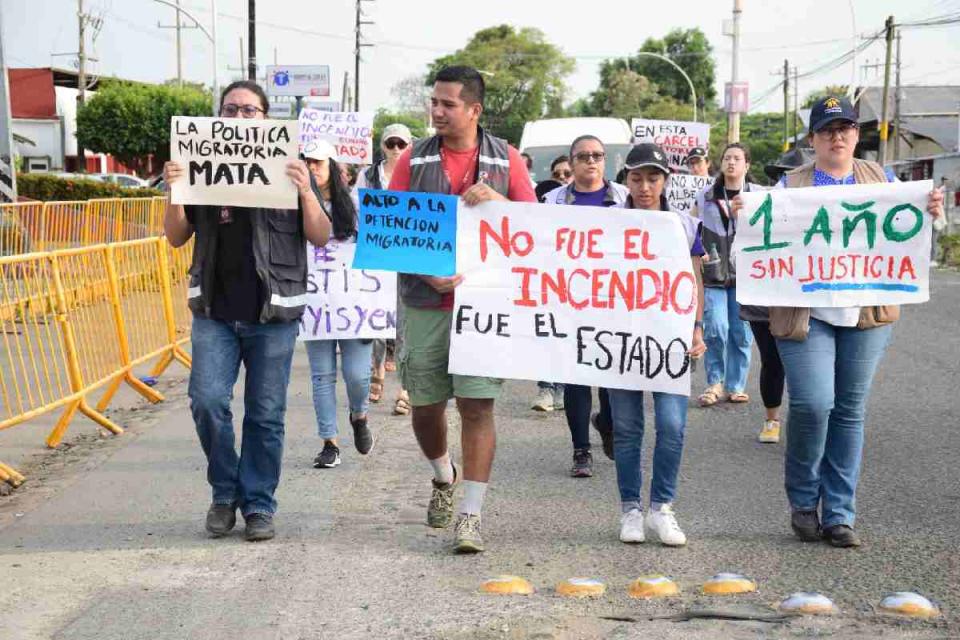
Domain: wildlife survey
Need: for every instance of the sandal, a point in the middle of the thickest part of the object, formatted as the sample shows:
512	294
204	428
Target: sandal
402	406
376	388
711	396
738	397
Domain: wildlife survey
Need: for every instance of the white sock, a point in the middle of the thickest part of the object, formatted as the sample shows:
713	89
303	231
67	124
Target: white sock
442	469
473	493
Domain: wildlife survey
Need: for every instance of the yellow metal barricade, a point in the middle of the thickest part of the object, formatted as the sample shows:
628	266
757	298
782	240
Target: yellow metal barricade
19	223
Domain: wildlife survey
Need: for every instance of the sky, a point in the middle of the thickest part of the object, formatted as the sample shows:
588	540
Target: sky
408	34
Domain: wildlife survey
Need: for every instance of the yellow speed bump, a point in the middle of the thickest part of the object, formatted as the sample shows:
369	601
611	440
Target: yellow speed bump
653	586
507	585
725	584
813	604
905	603
581	588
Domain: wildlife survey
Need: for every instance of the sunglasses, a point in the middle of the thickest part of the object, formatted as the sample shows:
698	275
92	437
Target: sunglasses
562	174
248	110
586	156
395	143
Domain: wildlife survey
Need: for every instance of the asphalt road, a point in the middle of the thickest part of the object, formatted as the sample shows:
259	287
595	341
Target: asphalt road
106	539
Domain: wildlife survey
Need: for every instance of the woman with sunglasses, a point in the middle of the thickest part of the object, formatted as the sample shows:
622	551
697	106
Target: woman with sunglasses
589	187
247	283
394	141
355	354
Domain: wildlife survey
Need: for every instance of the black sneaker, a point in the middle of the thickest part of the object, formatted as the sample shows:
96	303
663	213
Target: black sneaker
221	518
841	536
259	527
582	464
606	435
362	437
328	458
806	524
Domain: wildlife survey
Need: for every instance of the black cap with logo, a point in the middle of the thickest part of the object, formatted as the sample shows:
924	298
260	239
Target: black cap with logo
647	154
828	109
696	152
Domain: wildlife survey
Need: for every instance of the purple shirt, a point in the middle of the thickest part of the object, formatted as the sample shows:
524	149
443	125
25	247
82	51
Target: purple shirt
590	198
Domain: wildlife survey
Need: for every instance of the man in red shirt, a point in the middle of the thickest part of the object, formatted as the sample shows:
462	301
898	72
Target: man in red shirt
461	159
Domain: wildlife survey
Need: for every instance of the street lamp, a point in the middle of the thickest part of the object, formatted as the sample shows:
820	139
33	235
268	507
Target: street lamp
211	36
693	92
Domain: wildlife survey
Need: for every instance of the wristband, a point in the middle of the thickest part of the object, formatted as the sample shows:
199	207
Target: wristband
697	324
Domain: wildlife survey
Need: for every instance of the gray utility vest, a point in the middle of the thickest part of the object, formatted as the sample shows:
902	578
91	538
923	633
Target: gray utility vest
279	251
427	176
721	273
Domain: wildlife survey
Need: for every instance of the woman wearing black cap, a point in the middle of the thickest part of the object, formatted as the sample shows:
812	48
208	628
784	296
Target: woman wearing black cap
646	178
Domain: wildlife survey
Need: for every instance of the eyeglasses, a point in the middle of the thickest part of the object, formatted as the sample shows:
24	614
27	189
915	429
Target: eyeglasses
586	156
395	143
566	173
842	130
248	110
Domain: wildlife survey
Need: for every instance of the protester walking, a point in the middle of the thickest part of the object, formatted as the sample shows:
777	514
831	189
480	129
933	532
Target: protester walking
647	173
830	355
335	199
698	162
248	279
728	338
590	188
771	371
461	159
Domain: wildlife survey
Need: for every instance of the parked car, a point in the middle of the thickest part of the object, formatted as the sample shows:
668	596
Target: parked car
122	180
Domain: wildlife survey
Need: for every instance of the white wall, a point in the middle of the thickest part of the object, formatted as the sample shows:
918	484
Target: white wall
46	136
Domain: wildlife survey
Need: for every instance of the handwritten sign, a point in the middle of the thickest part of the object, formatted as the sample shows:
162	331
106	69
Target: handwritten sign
350	133
234	161
592	296
407	232
842	246
345	303
682	190
676	138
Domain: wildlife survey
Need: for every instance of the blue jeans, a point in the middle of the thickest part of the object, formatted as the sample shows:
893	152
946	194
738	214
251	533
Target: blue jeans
670	412
355	362
828	376
728	339
266	350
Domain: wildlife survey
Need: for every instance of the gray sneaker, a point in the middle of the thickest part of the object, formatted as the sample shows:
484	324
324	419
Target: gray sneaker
221	519
544	401
467	538
440	509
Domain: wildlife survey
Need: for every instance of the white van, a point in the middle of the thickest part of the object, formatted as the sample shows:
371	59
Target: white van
544	140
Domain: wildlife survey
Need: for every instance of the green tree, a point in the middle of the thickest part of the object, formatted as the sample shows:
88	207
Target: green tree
524	76
132	121
383	117
692	52
829	90
761	133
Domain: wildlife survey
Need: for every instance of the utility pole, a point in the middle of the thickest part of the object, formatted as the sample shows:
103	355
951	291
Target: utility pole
897	96
796	103
882	153
179	26
8	171
358	46
733	123
252	39
81	81
786	106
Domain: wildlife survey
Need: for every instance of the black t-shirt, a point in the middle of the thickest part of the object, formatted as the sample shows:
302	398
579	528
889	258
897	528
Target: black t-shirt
237	291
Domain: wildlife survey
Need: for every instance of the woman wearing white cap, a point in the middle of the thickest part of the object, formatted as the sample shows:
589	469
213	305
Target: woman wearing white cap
337	203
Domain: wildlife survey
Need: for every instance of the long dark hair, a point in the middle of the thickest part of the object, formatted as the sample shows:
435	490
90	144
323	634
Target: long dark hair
342	213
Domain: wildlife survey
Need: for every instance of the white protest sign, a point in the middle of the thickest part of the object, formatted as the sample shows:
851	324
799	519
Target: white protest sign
350	133
233	162
676	137
840	246
683	188
581	295
345	303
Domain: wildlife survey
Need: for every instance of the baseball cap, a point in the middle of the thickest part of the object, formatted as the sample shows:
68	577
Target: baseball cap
397	130
319	150
647	154
828	109
696	152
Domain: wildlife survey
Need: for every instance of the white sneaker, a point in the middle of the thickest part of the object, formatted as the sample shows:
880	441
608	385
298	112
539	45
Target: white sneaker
544	401
662	525
631	526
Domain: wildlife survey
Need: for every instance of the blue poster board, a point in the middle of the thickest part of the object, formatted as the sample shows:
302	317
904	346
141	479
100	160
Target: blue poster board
407	232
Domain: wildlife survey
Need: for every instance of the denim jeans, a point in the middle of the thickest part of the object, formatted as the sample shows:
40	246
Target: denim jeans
266	350
577	405
670	411
728	339
355	363
828	376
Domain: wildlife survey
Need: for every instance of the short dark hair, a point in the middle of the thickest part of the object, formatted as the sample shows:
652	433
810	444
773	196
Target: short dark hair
474	88
559	160
737	145
249	85
573	145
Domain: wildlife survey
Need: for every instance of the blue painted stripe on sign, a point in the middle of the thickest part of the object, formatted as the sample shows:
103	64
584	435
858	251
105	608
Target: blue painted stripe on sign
854	286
